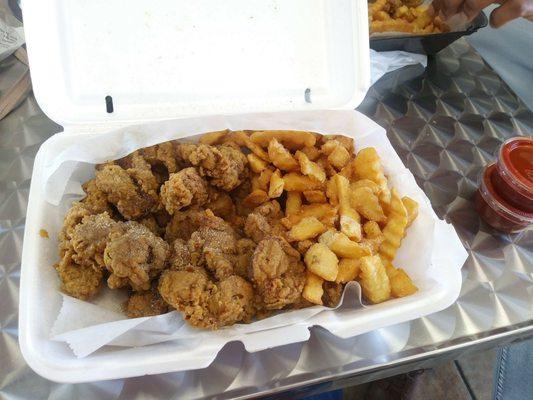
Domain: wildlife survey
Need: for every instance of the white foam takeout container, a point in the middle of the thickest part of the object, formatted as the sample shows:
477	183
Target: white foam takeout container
179	58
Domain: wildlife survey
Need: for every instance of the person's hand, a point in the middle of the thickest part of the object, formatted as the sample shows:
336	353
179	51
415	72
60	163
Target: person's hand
507	11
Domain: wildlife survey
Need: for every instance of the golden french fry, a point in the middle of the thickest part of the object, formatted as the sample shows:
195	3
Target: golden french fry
348	270
315	196
295	181
313	290
275	188
345	141
367	204
242	139
342	246
322	211
412	209
372	229
373	236
389	268
293	203
262	181
291	139
321	261
339	157
374	280
281	157
401	284
328	147
256	198
366	183
394	230
307	228
257	165
311	152
214	138
347	170
330	218
310	168
326	166
350	221
331	192
367	165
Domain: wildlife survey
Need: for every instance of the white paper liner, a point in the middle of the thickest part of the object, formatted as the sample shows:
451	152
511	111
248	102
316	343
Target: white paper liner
430	250
387	61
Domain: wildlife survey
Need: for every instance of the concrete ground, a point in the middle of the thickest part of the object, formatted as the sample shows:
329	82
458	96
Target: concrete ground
468	378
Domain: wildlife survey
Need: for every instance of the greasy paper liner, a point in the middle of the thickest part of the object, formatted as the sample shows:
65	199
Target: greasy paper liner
431	253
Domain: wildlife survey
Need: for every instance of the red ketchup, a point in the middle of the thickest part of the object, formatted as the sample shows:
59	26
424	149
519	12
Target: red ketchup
505	195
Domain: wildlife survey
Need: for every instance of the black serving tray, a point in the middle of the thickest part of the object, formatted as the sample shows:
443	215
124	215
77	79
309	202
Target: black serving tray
426	44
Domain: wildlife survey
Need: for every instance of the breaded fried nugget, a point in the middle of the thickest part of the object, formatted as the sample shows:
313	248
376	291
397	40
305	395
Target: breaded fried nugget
134	256
145	304
124	192
183	224
214	246
184	188
224	166
161	155
89	239
332	293
277	273
80	281
73	217
264	221
220	203
95	200
180	256
204	303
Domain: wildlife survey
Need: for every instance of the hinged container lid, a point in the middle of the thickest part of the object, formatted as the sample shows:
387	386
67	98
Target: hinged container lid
110	61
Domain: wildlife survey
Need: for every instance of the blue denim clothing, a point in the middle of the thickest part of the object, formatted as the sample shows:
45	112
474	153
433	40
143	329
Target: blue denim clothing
333	395
513	372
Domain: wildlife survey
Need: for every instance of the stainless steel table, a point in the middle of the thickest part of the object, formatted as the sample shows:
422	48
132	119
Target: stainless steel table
445	122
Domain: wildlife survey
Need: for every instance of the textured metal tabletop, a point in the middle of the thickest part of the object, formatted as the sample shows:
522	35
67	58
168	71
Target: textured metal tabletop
445	122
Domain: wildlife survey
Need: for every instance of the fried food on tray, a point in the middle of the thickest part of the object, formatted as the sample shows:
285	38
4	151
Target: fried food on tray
145	304
95	200
183	223
332	294
314	288
321	261
277	273
374	280
125	192
134	256
394	230
238	226
264	221
205	303
81	281
89	239
184	188
214	246
407	16
224	166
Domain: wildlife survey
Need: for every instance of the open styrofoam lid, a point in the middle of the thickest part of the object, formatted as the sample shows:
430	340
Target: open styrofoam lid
172	58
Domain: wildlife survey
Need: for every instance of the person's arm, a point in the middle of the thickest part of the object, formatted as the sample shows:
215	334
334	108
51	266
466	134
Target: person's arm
507	11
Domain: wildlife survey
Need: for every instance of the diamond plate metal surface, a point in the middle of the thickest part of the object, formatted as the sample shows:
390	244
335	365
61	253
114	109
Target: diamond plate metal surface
445	122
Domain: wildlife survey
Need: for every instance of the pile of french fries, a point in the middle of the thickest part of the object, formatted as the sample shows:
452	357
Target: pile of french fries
409	16
339	211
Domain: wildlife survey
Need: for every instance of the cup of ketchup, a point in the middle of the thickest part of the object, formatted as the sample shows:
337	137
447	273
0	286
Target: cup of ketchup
505	195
